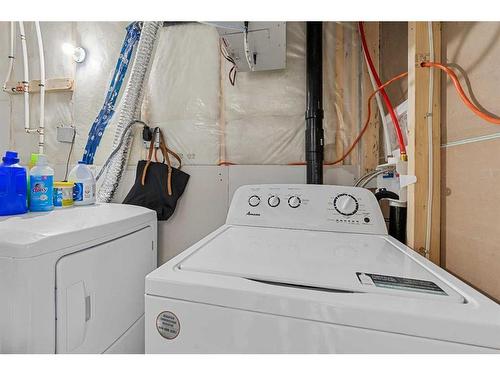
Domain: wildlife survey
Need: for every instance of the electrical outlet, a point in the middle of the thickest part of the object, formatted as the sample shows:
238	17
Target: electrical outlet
147	143
65	134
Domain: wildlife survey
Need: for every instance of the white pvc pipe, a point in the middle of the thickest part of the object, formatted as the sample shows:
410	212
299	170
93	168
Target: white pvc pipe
41	127
26	79
430	195
385	127
11	53
247	50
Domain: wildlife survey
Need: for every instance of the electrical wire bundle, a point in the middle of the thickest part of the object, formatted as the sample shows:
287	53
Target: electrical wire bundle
368	117
223	50
247	48
108	109
388	104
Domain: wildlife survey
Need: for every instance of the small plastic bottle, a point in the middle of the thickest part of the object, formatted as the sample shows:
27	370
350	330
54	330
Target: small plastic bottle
84	189
13	187
41	186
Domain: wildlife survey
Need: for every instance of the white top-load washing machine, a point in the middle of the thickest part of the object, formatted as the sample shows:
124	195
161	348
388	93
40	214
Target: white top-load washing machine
310	269
72	280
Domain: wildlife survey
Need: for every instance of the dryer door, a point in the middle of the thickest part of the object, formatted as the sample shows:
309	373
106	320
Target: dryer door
100	292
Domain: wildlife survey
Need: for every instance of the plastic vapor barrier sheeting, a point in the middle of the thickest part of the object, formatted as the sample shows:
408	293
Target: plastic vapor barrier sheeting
260	120
182	94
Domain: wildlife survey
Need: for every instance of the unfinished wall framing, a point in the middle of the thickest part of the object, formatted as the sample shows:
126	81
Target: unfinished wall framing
419	114
466	241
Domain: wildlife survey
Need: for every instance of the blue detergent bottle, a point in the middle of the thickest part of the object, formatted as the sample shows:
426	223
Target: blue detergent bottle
41	186
13	186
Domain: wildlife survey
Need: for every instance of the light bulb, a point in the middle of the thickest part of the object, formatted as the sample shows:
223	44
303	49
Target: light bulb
78	53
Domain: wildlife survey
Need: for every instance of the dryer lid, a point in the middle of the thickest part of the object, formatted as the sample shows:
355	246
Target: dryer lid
38	233
325	261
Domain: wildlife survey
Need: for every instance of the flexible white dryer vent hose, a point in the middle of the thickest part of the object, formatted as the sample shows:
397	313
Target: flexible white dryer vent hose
131	104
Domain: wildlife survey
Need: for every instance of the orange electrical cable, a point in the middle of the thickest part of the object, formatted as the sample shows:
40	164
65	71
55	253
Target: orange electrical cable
363	130
426	64
385	97
461	93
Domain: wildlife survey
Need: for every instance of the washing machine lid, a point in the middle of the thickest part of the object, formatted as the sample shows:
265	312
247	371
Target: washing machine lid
38	233
328	261
365	281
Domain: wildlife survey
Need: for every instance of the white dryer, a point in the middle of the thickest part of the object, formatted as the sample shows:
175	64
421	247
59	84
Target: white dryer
311	269
72	280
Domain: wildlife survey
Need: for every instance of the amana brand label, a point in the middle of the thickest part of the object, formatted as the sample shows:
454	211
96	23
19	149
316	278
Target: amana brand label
401	283
168	325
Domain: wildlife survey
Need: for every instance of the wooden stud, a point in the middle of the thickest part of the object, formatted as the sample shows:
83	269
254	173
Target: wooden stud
370	142
330	122
344	99
418	97
223	74
338	94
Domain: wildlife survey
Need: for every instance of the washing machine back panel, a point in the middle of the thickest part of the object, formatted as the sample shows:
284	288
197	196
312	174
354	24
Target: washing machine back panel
311	207
100	292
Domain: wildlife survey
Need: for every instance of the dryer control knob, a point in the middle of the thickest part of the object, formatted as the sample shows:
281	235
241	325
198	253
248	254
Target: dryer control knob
294	201
254	200
273	201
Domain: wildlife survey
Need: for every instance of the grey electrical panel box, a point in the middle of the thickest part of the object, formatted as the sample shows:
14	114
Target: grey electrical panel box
264	49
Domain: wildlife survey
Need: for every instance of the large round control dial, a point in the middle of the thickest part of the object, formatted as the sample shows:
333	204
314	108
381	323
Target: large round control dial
254	200
294	201
273	201
346	204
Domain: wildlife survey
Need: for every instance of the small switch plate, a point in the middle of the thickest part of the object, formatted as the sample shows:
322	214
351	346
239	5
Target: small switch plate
65	134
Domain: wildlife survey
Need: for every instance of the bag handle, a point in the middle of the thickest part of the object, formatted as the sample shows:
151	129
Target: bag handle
148	162
165	151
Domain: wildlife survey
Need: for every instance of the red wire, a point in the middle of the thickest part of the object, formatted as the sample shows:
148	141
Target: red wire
387	102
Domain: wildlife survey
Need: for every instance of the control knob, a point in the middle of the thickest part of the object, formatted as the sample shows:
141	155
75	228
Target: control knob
346	204
254	200
273	201
294	201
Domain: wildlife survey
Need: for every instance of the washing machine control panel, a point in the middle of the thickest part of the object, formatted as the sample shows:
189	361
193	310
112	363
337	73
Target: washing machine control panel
312	207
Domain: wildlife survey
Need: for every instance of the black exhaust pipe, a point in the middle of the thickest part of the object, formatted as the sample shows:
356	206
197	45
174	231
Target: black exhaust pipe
314	103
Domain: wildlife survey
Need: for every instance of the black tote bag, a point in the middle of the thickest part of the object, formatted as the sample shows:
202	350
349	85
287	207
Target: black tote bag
158	186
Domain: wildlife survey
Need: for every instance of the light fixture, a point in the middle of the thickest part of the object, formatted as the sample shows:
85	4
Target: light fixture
78	53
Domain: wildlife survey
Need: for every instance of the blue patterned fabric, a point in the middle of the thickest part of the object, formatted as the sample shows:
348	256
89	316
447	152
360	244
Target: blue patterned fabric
108	109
